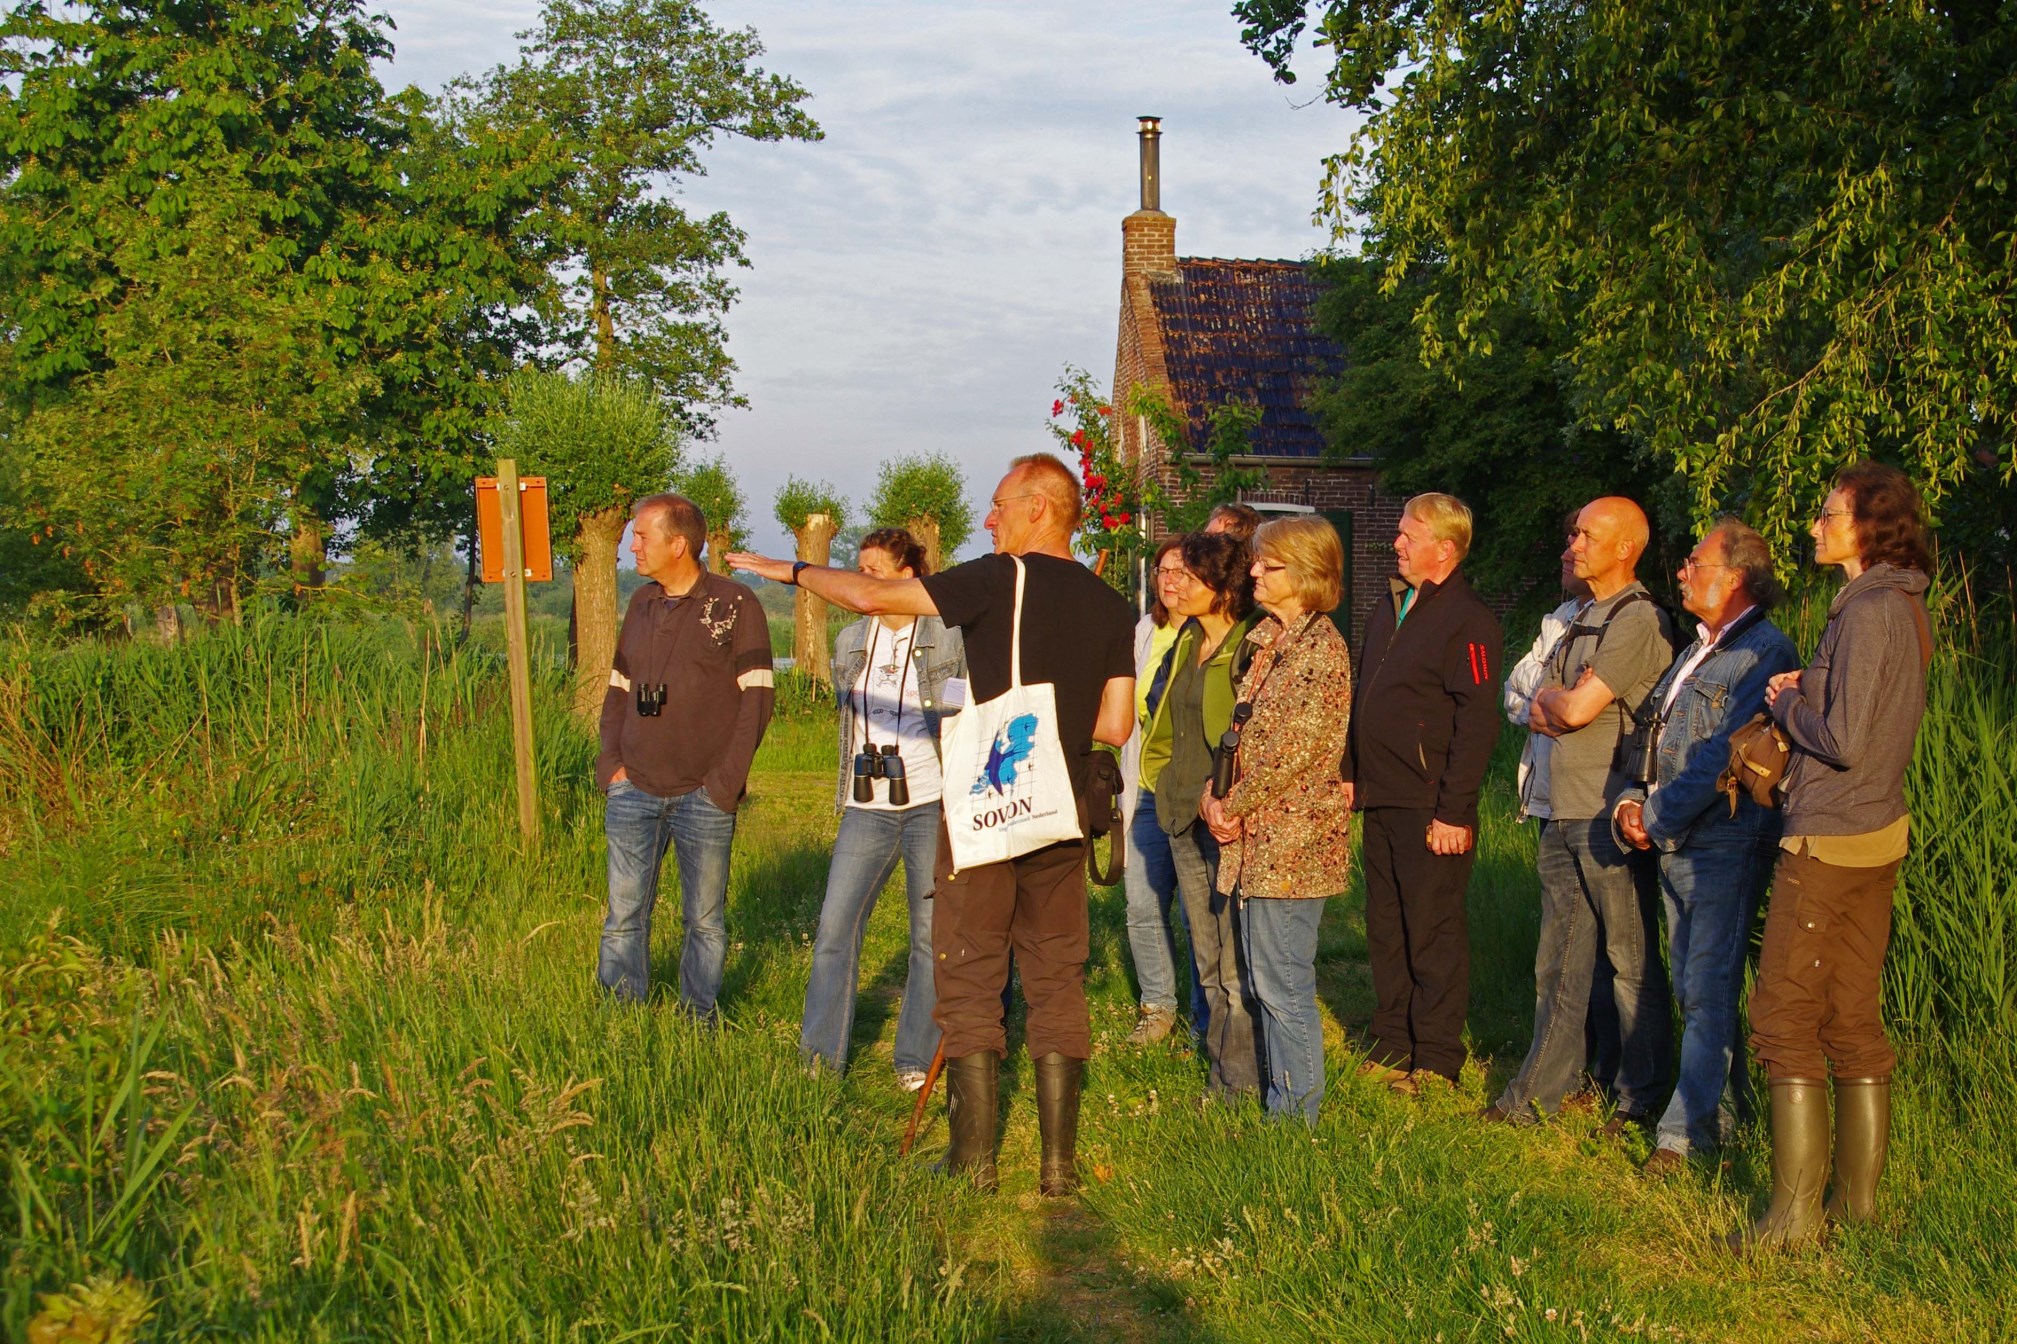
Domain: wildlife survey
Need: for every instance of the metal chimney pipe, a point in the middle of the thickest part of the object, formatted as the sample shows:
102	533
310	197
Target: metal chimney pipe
1152	168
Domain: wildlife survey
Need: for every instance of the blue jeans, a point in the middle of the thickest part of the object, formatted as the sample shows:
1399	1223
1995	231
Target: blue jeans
1590	899
1282	945
864	855
1151	886
1711	893
639	826
1220	968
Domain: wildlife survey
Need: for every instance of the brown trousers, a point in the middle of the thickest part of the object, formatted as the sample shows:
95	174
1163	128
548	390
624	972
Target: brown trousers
1035	906
1815	1002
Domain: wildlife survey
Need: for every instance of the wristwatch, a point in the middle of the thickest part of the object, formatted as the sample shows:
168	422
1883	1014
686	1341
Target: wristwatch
796	566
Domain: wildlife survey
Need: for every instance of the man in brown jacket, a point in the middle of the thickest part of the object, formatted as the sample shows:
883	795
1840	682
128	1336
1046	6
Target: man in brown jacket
689	698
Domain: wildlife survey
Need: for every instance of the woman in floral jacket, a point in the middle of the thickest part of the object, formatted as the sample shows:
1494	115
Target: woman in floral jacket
1285	824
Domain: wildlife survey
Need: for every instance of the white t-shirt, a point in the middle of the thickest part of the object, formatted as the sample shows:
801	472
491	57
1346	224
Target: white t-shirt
889	707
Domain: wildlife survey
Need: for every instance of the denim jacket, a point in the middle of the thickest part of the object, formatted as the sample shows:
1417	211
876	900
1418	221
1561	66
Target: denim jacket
938	654
1722	695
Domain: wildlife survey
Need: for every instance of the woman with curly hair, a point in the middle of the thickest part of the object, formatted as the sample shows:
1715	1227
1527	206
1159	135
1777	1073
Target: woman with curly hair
1851	716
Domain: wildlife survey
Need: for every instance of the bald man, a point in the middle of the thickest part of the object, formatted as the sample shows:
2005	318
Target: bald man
1594	893
1079	638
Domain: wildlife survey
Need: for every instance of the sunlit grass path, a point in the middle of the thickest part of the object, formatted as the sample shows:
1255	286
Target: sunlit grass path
394	1107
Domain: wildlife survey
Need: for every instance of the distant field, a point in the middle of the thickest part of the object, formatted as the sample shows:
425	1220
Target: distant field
300	1045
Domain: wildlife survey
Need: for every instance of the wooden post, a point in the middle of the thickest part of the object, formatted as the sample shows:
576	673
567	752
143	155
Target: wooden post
519	654
810	653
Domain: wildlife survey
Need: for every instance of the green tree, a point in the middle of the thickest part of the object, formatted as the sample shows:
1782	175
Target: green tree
812	511
601	442
713	488
328	278
925	494
1774	237
1495	429
628	95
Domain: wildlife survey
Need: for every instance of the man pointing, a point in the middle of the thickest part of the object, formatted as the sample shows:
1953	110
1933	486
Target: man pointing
1081	641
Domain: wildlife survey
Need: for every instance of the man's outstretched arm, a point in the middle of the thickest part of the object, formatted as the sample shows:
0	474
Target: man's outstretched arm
844	587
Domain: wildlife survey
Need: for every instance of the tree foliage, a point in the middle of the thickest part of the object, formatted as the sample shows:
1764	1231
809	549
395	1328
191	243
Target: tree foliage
238	284
626	95
924	485
1495	429
600	441
714	490
799	499
1773	237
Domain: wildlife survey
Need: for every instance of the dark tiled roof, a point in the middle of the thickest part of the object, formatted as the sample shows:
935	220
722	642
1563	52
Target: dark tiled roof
1242	330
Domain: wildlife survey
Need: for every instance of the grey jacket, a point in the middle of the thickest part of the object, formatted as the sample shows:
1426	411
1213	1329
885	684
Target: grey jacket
938	654
1856	712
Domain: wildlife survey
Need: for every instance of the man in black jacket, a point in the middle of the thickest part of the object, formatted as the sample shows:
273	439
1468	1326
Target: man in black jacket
1425	714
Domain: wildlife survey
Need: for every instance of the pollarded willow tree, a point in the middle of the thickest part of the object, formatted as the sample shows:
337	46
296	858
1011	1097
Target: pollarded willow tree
812	511
925	494
715	492
601	442
1775	237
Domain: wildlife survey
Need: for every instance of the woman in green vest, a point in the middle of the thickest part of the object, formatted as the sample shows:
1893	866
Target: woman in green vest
1213	599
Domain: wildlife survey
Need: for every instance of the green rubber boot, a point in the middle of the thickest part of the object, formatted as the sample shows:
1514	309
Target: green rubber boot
1058	1081
1862	1136
1799	1169
971	1109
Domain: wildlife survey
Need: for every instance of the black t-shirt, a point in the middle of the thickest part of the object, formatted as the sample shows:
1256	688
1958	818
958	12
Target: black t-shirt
1078	634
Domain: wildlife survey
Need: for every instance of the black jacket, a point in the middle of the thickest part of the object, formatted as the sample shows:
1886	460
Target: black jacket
1425	711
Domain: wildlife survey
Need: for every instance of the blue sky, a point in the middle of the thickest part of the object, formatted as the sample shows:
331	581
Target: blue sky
922	276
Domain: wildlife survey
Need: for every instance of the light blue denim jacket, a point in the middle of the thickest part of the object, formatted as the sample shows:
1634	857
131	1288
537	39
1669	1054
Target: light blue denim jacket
1721	696
938	654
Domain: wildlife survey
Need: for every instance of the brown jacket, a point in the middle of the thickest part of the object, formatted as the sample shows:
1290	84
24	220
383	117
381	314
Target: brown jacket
1295	840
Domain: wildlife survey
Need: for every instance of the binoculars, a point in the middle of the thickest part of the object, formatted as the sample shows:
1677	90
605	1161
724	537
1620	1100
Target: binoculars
873	763
650	700
1638	746
1228	749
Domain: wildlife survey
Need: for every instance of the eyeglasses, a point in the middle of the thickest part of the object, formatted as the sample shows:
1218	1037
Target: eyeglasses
1691	564
1825	514
994	505
1177	574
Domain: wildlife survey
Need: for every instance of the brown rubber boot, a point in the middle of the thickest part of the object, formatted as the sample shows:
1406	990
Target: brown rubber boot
1799	1169
1862	1134
971	1109
1058	1081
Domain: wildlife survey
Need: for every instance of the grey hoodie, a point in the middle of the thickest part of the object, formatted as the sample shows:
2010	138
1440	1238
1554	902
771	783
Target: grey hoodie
1856	712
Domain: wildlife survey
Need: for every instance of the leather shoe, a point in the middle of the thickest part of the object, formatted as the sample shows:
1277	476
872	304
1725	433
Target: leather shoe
1621	1124
1664	1165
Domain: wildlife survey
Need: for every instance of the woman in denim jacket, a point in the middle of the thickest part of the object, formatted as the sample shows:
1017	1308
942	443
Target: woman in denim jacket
889	675
1715	854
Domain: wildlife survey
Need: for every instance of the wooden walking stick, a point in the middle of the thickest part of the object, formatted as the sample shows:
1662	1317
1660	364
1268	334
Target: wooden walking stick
923	1096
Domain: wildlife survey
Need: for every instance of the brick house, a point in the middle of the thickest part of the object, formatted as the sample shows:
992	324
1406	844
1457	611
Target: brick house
1203	331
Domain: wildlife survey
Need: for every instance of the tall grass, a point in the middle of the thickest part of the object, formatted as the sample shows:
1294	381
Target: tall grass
313	1051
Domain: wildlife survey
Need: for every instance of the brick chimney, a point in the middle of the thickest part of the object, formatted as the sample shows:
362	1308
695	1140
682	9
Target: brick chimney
1148	236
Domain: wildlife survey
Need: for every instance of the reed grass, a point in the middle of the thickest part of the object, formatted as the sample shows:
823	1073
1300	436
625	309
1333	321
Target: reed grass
300	1045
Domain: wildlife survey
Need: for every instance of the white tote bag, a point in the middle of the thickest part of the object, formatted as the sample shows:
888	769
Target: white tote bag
1007	790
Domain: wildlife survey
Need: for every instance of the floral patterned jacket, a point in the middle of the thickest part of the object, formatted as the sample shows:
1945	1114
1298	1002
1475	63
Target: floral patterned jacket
1295	834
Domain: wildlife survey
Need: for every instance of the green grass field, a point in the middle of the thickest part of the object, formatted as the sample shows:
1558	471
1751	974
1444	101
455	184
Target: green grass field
300	1045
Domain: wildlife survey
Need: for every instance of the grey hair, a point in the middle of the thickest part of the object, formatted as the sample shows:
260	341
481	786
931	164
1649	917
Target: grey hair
1745	550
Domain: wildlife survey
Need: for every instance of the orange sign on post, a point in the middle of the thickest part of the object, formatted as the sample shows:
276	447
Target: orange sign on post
538	538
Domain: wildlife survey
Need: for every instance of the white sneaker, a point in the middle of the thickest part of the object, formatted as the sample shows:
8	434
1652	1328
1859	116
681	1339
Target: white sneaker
911	1080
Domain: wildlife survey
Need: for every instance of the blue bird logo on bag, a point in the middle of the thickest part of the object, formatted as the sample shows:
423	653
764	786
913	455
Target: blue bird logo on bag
1009	751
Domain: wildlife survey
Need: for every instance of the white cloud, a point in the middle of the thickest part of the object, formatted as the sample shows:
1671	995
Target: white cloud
922	275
